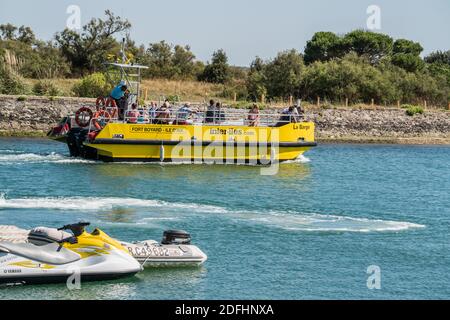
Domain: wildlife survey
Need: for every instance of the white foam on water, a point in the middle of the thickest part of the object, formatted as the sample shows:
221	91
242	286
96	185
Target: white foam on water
74	203
10	158
287	220
300	159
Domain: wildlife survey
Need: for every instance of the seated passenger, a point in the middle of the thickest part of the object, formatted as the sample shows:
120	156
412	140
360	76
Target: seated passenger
253	116
286	117
133	114
143	115
183	114
163	114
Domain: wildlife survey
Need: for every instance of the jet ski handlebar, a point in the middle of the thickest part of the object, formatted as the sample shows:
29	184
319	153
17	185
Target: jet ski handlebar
76	228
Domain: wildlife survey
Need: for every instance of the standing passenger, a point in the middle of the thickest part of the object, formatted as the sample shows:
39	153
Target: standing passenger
210	112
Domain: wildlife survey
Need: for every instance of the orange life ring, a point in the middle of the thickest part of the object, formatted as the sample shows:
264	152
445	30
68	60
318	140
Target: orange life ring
111	106
101	118
83	117
99	102
110	102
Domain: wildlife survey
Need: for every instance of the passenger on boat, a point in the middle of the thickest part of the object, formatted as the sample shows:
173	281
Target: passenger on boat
253	116
183	114
300	112
152	112
219	115
133	114
163	114
118	94
287	116
210	112
143	115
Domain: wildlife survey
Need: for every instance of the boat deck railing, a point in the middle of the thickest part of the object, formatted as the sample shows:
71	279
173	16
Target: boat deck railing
224	117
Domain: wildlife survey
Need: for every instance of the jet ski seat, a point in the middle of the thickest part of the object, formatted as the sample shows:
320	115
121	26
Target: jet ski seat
51	253
41	236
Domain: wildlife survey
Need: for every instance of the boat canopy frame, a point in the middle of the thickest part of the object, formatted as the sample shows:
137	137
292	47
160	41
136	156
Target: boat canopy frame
127	72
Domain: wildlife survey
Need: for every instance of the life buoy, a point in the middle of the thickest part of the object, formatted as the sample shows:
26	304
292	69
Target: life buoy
83	117
111	107
101	118
99	102
110	102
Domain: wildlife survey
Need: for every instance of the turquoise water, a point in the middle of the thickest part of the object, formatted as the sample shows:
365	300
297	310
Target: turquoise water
311	231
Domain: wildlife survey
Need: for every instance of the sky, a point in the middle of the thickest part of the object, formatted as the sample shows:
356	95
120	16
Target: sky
243	28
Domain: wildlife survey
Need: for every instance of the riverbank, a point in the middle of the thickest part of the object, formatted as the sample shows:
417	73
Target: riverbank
29	116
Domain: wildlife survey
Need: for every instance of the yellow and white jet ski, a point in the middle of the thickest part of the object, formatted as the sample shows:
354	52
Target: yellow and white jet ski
91	256
175	249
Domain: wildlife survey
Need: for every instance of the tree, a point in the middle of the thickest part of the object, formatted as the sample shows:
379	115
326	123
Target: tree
407	47
255	83
158	58
184	62
406	55
283	74
218	70
8	31
88	49
26	35
322	47
374	45
438	57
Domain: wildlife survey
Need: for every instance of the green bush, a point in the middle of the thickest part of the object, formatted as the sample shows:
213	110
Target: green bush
92	86
11	83
412	110
173	98
22	98
45	88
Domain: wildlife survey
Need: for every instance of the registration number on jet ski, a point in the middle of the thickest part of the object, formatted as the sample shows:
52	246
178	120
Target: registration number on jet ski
149	251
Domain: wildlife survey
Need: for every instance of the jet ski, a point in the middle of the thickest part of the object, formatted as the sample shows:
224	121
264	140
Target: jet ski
175	249
91	256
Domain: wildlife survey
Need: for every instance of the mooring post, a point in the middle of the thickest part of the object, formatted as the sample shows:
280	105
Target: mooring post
425	104
373	103
235	97
398	104
346	102
318	101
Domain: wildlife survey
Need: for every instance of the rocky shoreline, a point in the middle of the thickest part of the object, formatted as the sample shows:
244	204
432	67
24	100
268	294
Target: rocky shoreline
34	116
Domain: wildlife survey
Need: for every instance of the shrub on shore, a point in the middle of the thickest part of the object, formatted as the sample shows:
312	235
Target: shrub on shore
11	83
45	88
412	110
92	86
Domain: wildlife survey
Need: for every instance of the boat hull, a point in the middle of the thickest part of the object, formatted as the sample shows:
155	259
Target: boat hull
229	144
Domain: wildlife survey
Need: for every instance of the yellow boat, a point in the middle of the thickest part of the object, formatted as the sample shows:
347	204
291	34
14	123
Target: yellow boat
206	143
226	139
